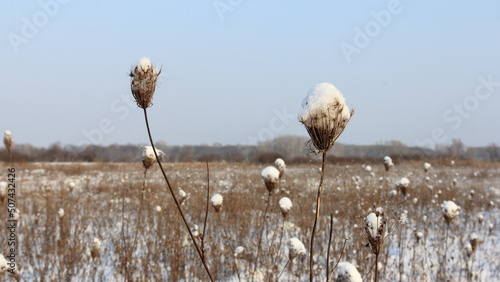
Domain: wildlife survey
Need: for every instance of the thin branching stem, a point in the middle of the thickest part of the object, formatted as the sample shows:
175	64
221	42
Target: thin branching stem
200	254
318	206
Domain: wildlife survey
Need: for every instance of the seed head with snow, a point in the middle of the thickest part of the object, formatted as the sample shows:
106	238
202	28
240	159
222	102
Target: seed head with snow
285	205
295	248
346	272
143	82
216	202
271	177
325	115
148	156
450	211
280	165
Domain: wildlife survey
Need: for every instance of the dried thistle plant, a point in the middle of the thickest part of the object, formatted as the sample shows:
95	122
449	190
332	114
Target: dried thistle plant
7	141
325	116
375	234
143	82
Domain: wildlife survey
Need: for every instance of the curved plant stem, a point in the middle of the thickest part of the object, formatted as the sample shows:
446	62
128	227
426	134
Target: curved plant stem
260	236
318	206
200	254
281	273
206	216
338	260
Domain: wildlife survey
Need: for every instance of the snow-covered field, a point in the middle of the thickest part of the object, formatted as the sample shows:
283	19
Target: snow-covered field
63	207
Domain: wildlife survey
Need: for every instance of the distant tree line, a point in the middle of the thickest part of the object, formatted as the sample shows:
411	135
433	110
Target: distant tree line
293	149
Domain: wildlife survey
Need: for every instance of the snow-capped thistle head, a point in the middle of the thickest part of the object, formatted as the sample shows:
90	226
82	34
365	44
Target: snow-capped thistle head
216	202
148	156
7	140
183	196
388	164
3	190
238	252
403	184
158	209
295	248
71	186
324	115
96	248
427	166
285	205
60	212
468	249
419	235
474	240
452	162
271	177
374	230
403	217
280	165
480	218
3	265
450	211
143	82
368	168
346	272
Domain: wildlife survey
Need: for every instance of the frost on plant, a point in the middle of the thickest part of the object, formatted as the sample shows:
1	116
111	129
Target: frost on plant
295	248
325	116
346	272
143	82
7	140
374	230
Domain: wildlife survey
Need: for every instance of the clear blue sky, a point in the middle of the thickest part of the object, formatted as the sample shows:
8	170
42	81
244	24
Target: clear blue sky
235	72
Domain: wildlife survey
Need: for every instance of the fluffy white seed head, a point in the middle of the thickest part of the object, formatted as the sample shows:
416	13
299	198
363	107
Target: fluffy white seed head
346	272
450	211
216	202
388	164
295	248
285	205
403	184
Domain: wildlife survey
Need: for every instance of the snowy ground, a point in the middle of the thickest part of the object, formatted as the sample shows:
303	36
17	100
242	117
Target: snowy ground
142	242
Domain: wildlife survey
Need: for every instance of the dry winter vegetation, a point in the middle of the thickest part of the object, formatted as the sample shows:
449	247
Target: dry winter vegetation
144	240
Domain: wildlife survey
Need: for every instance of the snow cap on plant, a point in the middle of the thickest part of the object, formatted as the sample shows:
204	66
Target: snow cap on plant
216	202
143	82
281	166
60	212
239	251
427	166
183	196
271	177
148	156
285	205
96	248
3	265
474	240
388	164
374	230
324	115
295	248
450	211
7	140
346	272
403	184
